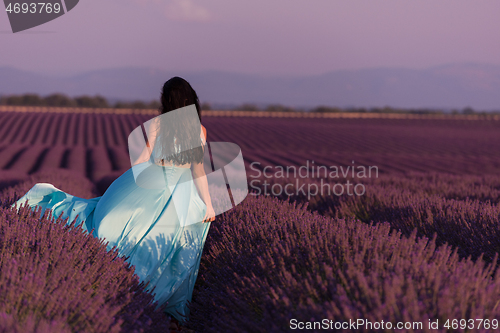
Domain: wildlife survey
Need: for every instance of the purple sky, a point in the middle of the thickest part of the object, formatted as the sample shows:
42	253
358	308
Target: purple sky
258	36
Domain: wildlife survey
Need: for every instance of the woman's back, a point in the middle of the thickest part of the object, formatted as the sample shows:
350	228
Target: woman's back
157	153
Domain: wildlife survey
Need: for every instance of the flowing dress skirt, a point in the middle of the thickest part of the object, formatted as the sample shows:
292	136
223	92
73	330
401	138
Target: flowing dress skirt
158	227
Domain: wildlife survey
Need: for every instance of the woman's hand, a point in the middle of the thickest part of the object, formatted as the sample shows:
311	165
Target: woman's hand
210	214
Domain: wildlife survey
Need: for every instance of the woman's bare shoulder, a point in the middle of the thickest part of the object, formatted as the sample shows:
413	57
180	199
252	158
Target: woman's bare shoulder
204	131
156	120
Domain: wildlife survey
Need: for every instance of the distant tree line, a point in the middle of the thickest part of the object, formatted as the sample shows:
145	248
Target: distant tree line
98	101
386	109
80	101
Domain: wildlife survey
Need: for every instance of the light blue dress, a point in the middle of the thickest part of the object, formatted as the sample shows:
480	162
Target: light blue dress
159	229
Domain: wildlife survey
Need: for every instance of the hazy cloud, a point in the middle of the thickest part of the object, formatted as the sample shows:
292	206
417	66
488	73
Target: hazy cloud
186	10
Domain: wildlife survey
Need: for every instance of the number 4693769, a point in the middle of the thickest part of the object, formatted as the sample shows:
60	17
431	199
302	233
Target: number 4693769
33	8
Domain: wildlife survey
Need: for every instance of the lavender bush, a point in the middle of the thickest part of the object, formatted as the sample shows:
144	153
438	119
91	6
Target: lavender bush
463	211
269	262
67	180
55	277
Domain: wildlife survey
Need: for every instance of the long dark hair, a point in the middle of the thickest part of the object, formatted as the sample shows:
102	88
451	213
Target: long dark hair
178	93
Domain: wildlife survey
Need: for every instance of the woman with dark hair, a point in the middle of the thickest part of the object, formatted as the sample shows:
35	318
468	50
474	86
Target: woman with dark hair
160	228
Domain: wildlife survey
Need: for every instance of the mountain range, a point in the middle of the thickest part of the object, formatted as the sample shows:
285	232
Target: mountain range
445	87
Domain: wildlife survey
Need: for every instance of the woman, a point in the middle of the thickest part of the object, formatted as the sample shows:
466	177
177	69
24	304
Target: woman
161	229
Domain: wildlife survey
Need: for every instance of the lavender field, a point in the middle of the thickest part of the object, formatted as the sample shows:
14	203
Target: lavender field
420	245
95	145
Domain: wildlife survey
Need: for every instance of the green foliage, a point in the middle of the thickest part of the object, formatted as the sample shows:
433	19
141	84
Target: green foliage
60	100
206	106
323	108
247	107
84	101
91	102
279	108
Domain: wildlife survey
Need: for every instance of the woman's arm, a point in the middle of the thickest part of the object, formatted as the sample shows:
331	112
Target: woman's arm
200	180
150	142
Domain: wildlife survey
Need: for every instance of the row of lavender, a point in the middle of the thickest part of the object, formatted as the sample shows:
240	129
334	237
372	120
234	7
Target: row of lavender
395	146
95	145
102	165
57	278
460	210
70	129
273	266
